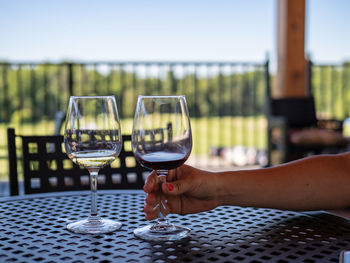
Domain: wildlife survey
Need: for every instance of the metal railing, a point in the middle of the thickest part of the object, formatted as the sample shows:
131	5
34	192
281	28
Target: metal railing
225	99
330	85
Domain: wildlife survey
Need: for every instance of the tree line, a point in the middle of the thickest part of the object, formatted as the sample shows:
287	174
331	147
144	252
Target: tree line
30	93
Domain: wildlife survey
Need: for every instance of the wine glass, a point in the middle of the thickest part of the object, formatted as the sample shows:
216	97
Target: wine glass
161	140
92	139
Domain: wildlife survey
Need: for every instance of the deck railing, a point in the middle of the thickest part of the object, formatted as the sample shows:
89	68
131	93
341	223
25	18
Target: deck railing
330	84
225	99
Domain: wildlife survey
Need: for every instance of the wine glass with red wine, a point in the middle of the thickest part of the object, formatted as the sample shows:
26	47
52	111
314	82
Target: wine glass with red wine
161	140
92	139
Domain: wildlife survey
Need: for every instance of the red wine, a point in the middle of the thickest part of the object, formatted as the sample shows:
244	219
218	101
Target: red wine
161	160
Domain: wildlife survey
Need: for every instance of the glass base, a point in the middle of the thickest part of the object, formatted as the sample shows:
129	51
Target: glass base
94	225
159	232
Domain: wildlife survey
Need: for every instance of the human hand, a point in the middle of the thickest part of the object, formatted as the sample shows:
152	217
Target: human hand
187	190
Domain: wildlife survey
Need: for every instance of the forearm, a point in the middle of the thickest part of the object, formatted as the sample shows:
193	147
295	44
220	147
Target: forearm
321	182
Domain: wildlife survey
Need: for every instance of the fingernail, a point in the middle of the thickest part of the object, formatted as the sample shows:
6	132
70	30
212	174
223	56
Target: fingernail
170	187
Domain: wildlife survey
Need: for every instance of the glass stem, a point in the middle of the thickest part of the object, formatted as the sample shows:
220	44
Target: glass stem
162	174
93	183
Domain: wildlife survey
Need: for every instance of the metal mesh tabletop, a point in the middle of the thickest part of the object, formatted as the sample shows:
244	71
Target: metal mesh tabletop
33	229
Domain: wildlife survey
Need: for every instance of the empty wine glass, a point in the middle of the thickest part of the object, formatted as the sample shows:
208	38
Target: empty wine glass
92	139
161	140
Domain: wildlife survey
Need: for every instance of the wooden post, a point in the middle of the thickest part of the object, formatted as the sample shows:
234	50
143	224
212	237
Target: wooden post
291	78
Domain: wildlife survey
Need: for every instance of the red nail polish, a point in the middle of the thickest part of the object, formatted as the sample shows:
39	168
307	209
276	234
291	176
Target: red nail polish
170	187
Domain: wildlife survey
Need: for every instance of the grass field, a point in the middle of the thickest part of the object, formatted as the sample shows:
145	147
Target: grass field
206	132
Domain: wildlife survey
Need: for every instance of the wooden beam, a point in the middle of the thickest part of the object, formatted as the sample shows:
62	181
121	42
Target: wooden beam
291	78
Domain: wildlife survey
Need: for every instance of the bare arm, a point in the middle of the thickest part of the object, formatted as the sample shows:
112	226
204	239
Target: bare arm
319	182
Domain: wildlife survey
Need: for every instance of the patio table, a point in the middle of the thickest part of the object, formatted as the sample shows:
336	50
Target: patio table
33	229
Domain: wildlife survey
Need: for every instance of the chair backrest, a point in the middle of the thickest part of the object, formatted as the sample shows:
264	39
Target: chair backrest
299	112
46	167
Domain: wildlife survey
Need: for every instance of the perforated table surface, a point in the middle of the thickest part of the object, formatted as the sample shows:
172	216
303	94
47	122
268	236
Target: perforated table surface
33	229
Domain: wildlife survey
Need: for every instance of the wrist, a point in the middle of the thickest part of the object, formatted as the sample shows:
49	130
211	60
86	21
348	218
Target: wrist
225	188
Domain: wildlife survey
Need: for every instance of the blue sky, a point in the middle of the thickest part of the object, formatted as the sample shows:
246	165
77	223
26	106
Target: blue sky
229	30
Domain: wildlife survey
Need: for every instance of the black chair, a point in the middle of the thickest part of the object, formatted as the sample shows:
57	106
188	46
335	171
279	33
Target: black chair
47	168
295	132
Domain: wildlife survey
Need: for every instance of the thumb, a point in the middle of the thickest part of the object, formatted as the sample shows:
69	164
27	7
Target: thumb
176	187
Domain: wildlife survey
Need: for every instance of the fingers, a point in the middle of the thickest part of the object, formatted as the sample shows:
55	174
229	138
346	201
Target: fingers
154	202
151	206
151	183
151	187
151	199
171	192
176	187
172	175
171	189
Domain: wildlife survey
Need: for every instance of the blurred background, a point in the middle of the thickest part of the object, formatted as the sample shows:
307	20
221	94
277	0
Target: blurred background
228	57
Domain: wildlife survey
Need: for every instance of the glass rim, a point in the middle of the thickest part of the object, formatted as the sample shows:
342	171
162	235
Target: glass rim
92	97
161	96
